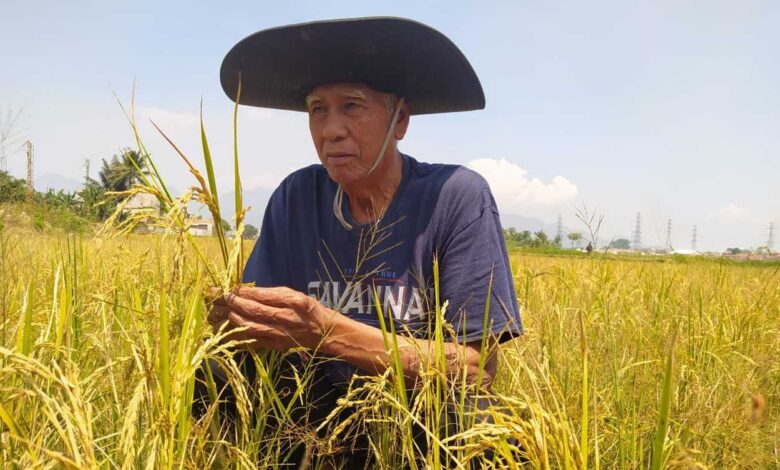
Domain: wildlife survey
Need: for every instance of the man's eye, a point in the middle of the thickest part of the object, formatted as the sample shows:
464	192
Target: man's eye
353	106
316	109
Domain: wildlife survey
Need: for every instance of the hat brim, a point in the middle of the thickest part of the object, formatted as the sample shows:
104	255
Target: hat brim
279	66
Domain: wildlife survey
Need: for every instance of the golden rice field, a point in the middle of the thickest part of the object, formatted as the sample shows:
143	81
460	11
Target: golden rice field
627	363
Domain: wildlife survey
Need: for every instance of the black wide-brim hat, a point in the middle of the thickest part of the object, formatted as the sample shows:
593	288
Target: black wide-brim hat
278	67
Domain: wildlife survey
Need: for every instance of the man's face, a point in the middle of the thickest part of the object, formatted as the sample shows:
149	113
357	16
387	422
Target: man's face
348	123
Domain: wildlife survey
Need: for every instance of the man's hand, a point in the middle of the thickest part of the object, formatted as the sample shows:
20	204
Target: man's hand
275	317
281	318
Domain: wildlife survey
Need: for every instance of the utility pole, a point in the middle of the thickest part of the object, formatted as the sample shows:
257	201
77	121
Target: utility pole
29	146
668	244
693	242
637	242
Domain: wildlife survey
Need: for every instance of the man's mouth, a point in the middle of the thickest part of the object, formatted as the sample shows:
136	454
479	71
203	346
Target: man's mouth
339	157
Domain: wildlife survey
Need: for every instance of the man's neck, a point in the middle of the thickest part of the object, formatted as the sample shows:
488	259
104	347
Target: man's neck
369	198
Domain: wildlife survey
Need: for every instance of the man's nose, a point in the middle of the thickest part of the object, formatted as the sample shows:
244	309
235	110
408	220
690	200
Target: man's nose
334	127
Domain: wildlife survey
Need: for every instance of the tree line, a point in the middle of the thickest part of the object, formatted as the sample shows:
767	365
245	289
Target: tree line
96	199
116	174
539	239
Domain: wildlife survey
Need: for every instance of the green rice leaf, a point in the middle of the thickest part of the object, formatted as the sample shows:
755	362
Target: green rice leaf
662	428
24	334
238	190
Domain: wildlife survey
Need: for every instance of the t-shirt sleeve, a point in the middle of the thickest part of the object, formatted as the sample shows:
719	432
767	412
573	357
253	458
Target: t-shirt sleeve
268	265
474	263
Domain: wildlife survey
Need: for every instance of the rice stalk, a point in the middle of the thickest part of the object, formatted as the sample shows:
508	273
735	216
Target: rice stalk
662	428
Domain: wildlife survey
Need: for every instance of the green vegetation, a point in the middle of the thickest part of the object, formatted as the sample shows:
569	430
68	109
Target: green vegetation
250	231
74	212
12	189
574	237
50	210
620	244
527	239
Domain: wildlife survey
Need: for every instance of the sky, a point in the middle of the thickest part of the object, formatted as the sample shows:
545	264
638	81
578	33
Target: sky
669	109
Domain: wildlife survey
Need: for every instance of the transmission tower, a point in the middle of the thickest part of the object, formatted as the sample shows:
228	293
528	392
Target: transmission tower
637	243
29	146
693	241
770	241
668	244
86	170
559	236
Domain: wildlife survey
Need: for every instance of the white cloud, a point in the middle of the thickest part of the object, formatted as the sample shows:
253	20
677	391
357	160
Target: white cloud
516	193
731	212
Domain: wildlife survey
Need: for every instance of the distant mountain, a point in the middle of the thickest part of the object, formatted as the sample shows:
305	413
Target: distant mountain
56	182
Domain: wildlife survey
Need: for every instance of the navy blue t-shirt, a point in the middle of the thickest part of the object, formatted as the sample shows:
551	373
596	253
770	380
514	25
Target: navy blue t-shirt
438	211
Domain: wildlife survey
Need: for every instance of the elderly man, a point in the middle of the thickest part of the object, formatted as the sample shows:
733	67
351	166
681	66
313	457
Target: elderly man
360	233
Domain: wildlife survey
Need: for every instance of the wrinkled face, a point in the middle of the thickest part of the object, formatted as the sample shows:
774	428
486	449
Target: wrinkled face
348	123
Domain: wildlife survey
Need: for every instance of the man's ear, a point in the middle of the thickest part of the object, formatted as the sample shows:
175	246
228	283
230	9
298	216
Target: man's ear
403	122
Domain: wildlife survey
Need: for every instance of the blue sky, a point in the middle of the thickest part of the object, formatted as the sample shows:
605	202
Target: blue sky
670	108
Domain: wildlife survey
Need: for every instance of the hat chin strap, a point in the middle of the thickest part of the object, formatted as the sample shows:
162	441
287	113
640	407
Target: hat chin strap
338	199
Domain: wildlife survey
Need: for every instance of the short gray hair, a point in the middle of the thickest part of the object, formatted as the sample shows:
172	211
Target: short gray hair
391	100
